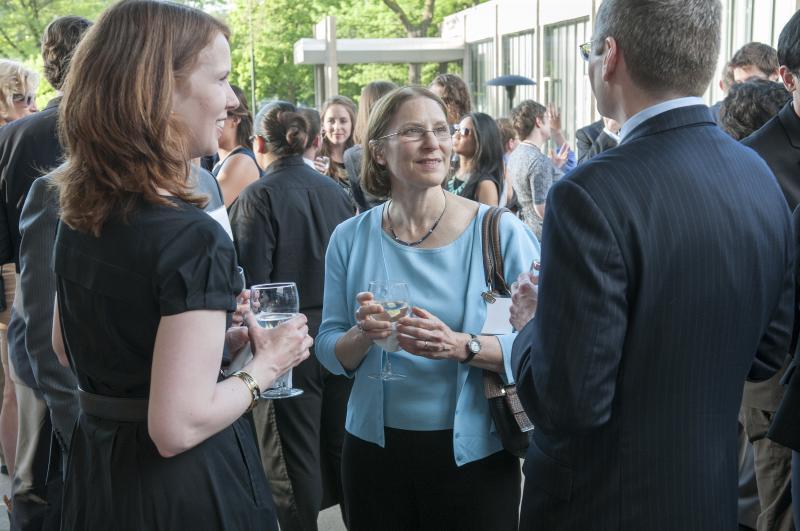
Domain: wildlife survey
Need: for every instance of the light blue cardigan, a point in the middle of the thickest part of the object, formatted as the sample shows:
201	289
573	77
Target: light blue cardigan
355	256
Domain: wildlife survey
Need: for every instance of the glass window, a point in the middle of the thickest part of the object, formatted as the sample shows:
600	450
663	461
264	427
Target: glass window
566	80
481	58
519	58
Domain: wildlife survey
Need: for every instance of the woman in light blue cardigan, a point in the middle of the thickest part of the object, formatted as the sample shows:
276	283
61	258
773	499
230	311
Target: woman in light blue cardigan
421	451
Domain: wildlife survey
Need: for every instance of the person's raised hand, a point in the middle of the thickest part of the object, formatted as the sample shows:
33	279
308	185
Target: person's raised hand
560	158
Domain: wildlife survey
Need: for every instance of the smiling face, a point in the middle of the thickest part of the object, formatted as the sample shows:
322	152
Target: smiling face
418	163
202	100
337	125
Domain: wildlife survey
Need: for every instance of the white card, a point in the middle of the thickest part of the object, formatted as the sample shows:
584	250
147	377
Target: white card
498	314
220	215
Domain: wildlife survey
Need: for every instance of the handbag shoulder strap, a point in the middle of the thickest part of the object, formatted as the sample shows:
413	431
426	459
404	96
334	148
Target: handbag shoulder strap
492	252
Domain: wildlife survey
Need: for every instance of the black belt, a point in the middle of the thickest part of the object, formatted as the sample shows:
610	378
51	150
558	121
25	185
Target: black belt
113	408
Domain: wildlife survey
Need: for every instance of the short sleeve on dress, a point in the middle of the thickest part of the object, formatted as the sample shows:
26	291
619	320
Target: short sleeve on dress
197	271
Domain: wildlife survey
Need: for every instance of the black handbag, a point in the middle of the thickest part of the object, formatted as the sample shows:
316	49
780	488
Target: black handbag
510	420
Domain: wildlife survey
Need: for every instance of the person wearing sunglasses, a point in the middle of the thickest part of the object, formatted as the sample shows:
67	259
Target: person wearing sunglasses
18	86
480	174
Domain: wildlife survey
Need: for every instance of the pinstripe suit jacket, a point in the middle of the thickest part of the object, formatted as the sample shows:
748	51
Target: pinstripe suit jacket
667	280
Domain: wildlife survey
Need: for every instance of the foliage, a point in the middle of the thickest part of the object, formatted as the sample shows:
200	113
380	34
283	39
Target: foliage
276	26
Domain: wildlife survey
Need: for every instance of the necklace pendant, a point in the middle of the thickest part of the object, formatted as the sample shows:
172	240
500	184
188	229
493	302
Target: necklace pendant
488	297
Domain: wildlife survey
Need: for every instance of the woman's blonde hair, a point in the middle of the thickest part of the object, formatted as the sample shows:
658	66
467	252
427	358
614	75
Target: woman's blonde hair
122	140
370	94
16	81
375	176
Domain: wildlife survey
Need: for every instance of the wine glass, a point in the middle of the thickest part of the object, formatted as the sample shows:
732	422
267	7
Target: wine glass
394	298
243	284
273	304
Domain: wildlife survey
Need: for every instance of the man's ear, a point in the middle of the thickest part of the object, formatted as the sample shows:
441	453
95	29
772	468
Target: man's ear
611	57
316	142
788	78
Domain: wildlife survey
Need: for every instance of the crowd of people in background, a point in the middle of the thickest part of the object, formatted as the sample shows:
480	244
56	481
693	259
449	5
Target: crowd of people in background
650	262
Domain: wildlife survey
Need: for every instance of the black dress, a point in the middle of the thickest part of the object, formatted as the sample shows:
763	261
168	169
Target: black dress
113	291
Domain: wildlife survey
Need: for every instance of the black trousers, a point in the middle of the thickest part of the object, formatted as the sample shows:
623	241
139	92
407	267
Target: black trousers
300	440
414	484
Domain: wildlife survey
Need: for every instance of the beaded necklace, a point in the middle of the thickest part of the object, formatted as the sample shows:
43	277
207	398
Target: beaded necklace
427	235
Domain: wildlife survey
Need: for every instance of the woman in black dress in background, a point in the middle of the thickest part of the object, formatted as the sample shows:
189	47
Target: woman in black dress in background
146	286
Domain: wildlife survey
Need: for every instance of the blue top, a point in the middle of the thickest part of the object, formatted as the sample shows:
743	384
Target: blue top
447	281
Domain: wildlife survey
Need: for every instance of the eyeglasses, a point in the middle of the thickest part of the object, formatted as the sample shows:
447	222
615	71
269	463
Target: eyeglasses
413	133
463	131
585	49
26	98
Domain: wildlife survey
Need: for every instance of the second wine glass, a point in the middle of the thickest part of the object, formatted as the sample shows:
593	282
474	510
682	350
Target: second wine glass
273	304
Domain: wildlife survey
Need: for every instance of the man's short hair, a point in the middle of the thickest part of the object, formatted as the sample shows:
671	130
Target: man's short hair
789	45
668	45
749	105
524	116
507	131
727	77
59	40
762	56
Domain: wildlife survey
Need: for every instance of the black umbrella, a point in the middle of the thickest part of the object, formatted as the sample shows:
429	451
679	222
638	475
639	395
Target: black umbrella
510	82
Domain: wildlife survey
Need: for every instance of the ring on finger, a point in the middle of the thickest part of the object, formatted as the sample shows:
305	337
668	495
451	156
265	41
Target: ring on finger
426	346
360	325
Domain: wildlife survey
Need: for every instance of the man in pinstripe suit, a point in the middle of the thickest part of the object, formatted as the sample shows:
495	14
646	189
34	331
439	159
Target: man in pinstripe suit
666	281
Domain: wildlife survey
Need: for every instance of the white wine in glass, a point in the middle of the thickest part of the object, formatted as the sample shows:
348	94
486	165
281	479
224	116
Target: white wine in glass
394	298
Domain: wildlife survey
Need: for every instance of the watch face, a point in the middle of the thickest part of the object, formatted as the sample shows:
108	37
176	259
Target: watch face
474	346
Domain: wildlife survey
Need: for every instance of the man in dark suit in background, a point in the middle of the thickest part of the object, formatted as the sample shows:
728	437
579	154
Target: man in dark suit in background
667	264
45	390
773	142
778	142
585	137
607	139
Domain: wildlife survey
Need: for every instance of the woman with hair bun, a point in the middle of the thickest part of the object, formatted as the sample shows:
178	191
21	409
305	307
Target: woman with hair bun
281	227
